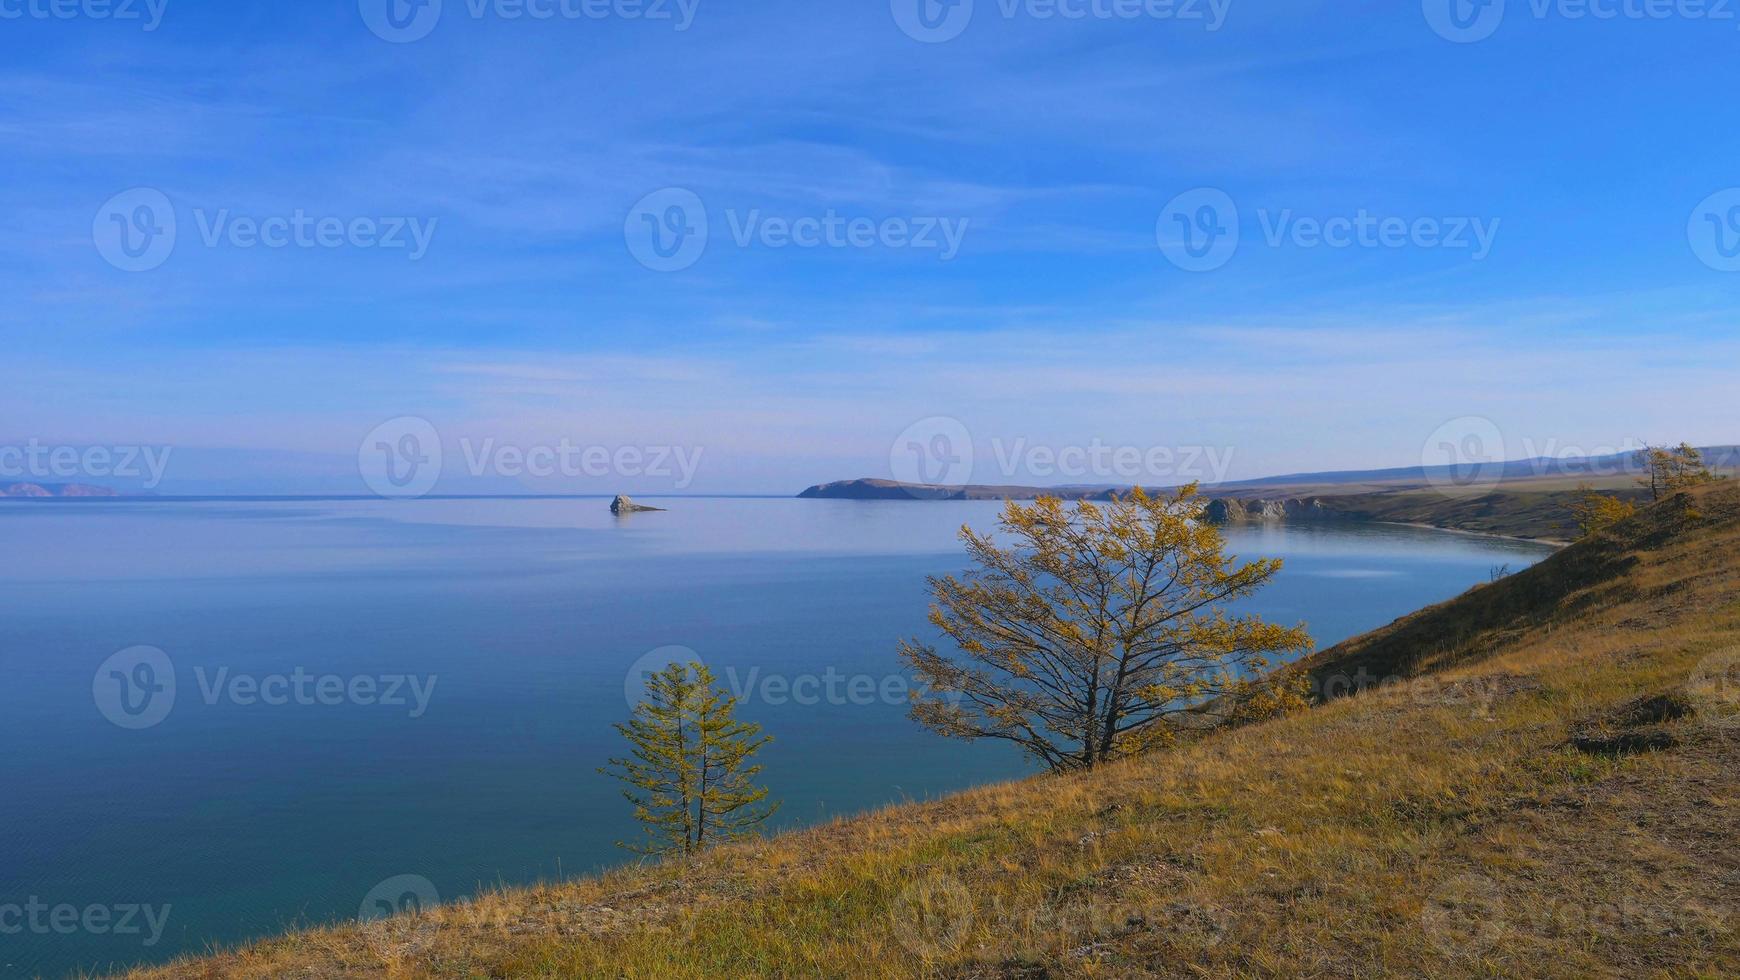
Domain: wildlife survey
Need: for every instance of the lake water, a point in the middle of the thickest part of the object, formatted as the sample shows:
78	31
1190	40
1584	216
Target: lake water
445	675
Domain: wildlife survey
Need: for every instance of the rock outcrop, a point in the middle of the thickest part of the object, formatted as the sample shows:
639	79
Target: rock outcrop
623	505
1232	509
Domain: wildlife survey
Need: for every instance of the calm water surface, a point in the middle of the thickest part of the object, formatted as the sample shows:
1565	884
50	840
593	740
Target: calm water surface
527	617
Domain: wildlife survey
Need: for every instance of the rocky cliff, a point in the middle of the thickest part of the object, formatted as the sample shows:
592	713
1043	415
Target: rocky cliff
1233	509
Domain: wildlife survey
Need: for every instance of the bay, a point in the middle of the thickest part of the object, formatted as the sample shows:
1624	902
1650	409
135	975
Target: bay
515	628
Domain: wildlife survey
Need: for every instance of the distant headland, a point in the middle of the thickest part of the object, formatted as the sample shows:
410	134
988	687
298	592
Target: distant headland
1527	498
54	490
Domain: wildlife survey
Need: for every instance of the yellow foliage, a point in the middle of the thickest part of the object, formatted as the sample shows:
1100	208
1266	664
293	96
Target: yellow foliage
1596	512
1091	631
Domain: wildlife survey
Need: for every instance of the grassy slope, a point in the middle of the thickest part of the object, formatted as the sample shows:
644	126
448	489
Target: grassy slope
1537	508
1522	513
1438	826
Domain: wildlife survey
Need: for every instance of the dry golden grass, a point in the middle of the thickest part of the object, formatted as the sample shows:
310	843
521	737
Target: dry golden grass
1438	825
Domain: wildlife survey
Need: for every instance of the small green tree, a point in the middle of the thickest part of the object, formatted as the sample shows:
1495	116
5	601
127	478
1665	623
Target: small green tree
688	775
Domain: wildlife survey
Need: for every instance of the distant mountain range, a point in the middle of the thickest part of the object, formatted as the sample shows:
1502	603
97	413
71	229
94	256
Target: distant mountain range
54	490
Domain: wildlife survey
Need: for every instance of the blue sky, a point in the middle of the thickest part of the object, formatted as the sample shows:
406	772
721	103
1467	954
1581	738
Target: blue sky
1584	149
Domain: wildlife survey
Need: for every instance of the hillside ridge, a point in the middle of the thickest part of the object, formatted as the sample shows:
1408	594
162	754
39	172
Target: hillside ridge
1542	777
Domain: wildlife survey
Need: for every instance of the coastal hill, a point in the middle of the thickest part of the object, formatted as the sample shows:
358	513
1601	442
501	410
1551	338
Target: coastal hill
1540	513
1613	471
1539	777
1520	498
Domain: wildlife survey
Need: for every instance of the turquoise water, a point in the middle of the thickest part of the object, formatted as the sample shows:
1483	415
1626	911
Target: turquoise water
512	628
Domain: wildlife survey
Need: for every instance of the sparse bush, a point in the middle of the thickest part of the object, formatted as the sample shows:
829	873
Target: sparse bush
1670	470
1596	512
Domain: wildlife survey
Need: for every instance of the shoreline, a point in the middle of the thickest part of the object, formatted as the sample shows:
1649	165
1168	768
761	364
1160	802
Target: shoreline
1553	543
